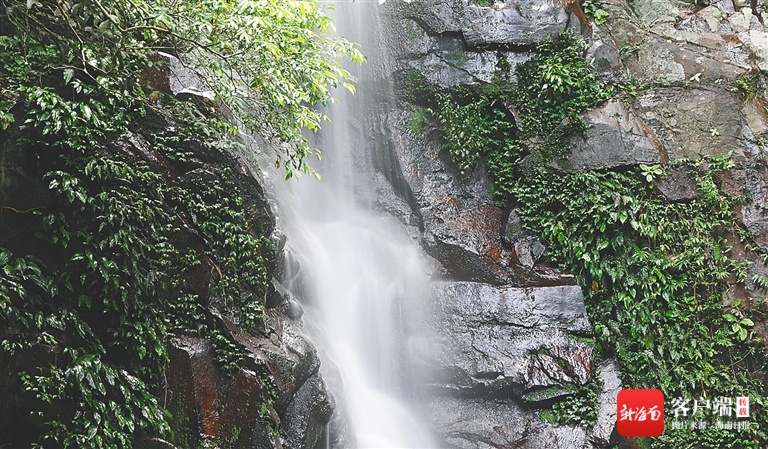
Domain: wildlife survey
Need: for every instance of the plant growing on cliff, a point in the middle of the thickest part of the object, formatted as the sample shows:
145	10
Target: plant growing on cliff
98	277
552	89
592	10
472	127
655	273
269	62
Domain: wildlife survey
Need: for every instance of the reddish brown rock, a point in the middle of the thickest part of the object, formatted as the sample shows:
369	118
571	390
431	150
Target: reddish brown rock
192	385
249	416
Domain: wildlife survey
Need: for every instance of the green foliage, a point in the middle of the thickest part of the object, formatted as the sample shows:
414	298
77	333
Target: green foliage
552	89
125	269
112	274
417	120
580	408
709	438
650	172
113	403
592	10
655	273
749	85
267	61
472	128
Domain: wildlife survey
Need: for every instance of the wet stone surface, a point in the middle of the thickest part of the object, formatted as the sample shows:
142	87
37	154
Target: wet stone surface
502	341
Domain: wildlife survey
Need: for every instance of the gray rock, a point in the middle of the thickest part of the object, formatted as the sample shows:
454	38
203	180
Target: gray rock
528	251
558	437
606	59
440	16
521	23
652	12
466	423
508	341
616	137
725	6
755	211
460	221
446	69
670	53
514	231
679	186
308	413
610	375
695	122
185	82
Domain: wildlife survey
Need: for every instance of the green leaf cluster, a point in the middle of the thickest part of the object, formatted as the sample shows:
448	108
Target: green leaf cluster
536	119
593	10
102	274
654	272
552	89
122	288
267	61
472	127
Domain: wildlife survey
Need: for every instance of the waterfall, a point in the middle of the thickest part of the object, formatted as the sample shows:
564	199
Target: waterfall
361	276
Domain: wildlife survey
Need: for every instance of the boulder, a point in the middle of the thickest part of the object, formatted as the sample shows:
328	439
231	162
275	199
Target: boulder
616	137
308	413
507	342
695	122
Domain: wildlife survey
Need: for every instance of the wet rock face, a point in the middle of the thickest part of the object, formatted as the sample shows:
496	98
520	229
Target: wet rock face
460	224
279	388
506	22
479	424
308	413
508	342
610	376
505	328
278	398
192	385
691	123
457	42
616	137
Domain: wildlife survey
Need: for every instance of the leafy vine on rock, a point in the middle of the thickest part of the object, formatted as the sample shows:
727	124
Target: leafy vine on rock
654	272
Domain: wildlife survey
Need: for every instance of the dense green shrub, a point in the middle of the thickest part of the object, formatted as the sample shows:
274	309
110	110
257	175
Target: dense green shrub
653	272
102	273
472	127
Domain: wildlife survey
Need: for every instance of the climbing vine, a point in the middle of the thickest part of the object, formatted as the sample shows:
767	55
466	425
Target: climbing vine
654	272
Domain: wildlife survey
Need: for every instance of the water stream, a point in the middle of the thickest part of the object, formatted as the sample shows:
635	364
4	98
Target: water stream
360	274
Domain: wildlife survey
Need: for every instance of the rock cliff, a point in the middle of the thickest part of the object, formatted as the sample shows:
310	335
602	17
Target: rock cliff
509	328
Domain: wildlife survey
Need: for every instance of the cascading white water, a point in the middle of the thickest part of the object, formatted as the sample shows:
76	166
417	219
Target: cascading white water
360	270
